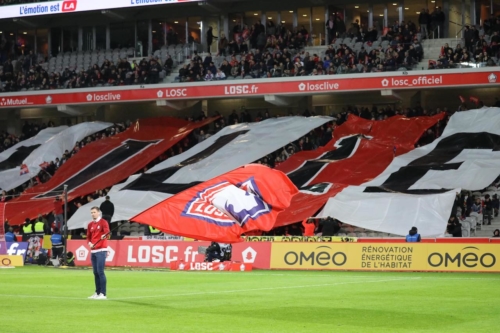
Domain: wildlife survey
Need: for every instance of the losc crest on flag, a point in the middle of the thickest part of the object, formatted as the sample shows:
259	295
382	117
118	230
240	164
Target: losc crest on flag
224	204
24	170
221	209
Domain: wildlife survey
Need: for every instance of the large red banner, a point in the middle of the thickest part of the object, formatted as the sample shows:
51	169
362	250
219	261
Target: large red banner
288	86
138	253
360	150
223	208
102	164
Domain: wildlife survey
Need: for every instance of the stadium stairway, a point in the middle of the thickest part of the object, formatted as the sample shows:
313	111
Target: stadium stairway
487	230
432	50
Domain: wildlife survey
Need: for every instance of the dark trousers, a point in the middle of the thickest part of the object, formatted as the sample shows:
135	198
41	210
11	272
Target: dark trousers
108	218
98	261
487	215
211	256
57	252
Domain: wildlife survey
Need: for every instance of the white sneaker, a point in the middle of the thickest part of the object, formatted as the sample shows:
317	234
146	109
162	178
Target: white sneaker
100	296
93	296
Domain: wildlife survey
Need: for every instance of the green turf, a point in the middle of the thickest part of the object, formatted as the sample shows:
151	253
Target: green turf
40	299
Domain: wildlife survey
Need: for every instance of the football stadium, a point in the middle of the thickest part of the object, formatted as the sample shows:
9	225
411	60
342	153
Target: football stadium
227	165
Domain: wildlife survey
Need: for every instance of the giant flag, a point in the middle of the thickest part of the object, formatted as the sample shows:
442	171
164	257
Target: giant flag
12	158
418	188
360	151
221	209
103	163
229	149
47	150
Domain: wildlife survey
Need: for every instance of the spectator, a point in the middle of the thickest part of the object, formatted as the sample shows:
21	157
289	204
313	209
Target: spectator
10	236
223	44
496	233
107	209
488	209
496	205
413	236
330	226
454	227
309	226
210	38
220	75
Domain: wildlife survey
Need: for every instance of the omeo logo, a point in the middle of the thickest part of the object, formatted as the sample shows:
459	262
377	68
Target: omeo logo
322	256
323	86
223	204
14	101
468	257
158	254
109	97
176	92
418	81
241	89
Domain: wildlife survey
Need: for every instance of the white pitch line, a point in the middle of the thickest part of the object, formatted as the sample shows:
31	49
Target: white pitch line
345	274
260	289
210	292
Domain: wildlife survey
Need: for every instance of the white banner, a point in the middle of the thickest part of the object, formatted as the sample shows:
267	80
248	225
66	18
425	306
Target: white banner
53	145
72	6
466	156
227	150
12	158
393	213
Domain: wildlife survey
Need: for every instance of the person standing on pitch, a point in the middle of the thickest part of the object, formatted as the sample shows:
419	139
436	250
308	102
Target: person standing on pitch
97	233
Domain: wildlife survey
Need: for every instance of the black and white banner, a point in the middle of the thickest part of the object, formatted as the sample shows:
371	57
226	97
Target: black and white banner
232	147
418	188
46	146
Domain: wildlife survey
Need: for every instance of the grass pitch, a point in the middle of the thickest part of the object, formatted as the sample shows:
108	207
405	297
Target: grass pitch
40	299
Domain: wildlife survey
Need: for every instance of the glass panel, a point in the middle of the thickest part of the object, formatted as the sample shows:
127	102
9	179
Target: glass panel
141	49
318	26
272	23
70	39
393	14
26	41
55	38
122	35
159	34
251	18
42	41
176	31
194	30
88	39
100	37
235	20
287	19
378	16
356	16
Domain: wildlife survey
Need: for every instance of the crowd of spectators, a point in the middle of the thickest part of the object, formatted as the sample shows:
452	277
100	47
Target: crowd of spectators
275	51
36	77
29	130
481	46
